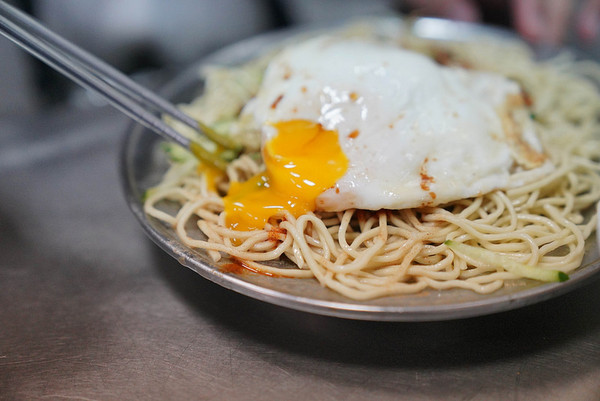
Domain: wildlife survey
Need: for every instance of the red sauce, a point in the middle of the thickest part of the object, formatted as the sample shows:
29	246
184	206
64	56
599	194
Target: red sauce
426	180
235	268
527	99
444	57
276	102
239	267
275	234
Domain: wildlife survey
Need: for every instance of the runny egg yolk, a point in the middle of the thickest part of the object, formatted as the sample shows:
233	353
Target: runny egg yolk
301	161
211	175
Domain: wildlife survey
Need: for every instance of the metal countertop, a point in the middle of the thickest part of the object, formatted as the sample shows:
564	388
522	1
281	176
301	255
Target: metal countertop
90	309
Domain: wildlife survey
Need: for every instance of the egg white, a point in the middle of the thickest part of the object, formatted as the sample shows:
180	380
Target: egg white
415	133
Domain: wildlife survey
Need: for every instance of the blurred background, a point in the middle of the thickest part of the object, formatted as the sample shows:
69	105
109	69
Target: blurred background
153	39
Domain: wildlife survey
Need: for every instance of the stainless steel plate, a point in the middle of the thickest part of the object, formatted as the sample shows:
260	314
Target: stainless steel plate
142	166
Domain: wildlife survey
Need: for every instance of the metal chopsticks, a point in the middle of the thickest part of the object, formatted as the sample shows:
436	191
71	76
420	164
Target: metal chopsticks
119	90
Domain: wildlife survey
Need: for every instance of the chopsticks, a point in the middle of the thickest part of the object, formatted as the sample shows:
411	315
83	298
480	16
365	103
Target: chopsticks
119	90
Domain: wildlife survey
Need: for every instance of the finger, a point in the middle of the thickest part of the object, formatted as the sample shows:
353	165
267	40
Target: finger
462	10
542	21
557	14
527	19
588	20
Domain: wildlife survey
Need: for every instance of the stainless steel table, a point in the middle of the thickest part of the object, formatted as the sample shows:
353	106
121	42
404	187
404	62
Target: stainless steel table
90	309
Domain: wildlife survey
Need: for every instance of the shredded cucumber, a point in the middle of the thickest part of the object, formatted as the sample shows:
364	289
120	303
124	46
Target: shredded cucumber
509	264
176	153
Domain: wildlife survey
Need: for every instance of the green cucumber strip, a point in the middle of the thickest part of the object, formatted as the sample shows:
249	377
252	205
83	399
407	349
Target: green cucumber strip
216	137
507	263
176	153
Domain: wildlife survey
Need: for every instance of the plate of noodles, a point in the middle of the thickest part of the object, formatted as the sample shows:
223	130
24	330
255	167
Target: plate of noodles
386	169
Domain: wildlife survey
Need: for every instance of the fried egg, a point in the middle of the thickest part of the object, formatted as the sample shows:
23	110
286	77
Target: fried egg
349	123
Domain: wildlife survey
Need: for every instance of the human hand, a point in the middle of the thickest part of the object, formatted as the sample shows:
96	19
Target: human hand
540	21
546	21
